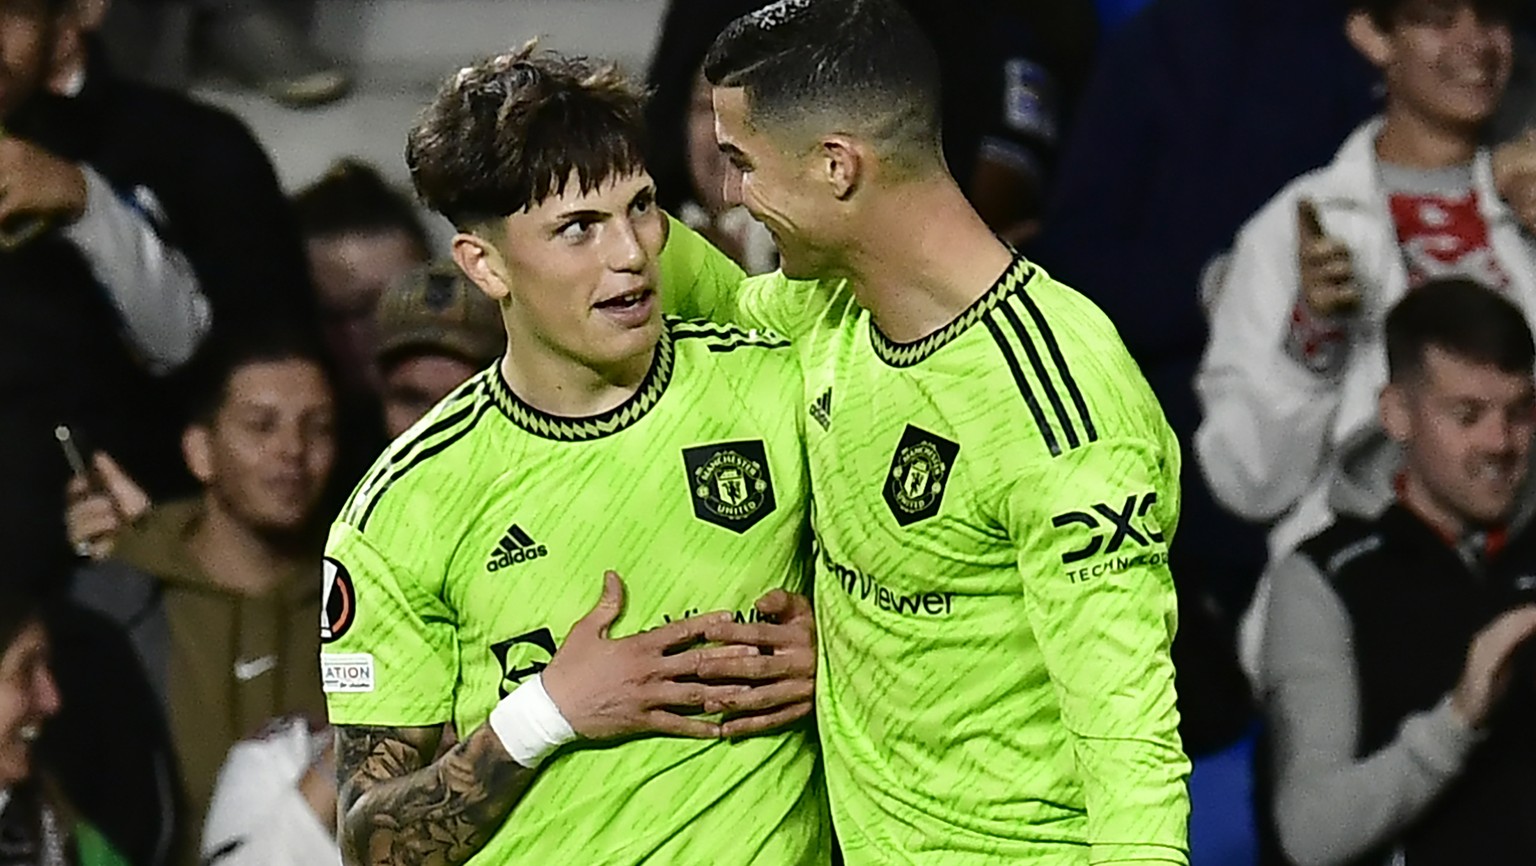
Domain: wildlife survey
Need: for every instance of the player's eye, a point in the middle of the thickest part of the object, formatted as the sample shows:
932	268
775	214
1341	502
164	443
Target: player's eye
643	202
575	231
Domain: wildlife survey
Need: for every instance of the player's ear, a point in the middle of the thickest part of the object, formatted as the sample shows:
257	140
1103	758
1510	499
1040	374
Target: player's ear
842	164
197	450
479	259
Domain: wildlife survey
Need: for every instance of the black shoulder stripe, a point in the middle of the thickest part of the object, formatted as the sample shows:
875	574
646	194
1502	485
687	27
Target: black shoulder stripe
375	477
1029	394
1038	365
421	457
1061	363
378	477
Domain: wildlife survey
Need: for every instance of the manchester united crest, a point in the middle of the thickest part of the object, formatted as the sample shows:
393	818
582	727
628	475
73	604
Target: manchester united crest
730	483
919	473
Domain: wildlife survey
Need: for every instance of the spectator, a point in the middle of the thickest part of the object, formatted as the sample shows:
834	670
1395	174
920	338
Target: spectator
435	330
1393	635
36	827
1295	358
133	215
219	593
124	784
275	802
95	302
219	196
361	236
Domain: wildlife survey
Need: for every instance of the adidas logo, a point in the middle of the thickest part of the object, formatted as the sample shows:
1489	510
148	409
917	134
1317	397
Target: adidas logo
821	409
515	547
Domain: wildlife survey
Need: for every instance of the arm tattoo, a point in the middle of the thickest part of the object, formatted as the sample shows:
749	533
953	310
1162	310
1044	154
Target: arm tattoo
399	808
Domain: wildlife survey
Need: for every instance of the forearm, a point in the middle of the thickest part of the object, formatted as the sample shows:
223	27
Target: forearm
1330	816
442	813
1138	804
150	283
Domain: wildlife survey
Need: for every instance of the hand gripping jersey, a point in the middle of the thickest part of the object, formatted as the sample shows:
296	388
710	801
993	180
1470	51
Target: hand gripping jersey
465	555
993	507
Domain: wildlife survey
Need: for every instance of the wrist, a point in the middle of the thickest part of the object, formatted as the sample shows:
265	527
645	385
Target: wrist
1463	714
529	724
1317	342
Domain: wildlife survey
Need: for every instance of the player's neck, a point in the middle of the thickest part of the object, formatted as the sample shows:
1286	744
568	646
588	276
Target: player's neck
558	384
235	556
916	275
1410	140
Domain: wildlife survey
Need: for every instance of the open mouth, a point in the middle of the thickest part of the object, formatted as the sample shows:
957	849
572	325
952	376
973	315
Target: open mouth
626	302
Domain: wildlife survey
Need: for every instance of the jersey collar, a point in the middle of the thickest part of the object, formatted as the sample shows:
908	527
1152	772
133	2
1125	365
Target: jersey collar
909	354
564	429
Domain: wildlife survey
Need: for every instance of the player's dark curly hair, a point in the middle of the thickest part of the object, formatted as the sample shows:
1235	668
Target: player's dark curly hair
507	132
864	62
1388	14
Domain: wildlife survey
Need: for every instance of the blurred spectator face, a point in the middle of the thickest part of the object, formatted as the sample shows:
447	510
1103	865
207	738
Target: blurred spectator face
28	36
780	188
417	383
1444	60
28	698
579	271
351	271
1466	431
267	453
707	166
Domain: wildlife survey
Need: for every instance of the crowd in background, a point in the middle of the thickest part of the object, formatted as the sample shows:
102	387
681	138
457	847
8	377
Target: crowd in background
195	369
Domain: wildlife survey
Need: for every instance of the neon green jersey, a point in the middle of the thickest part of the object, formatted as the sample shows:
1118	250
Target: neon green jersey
482	535
993	510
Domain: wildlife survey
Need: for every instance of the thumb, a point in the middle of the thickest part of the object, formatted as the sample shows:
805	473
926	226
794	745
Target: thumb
602	616
131	499
775	604
783	606
1309	224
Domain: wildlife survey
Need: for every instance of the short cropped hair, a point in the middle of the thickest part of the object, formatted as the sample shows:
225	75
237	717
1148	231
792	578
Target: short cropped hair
861	61
1388	14
507	132
1462	318
353	198
225	354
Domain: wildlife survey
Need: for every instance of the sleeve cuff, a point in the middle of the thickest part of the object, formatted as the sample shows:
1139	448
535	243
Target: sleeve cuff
95	221
1320	344
1107	854
1440	738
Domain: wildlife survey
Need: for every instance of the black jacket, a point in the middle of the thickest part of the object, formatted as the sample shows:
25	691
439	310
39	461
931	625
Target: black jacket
209	190
1414	605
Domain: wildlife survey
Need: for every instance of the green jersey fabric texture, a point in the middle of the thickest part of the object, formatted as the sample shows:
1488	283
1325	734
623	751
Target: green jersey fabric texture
481	536
993	508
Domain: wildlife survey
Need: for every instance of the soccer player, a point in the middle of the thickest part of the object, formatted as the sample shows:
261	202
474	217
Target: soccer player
607	438
995	484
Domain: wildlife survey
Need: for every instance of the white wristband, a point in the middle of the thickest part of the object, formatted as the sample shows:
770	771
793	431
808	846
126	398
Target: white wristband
529	724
